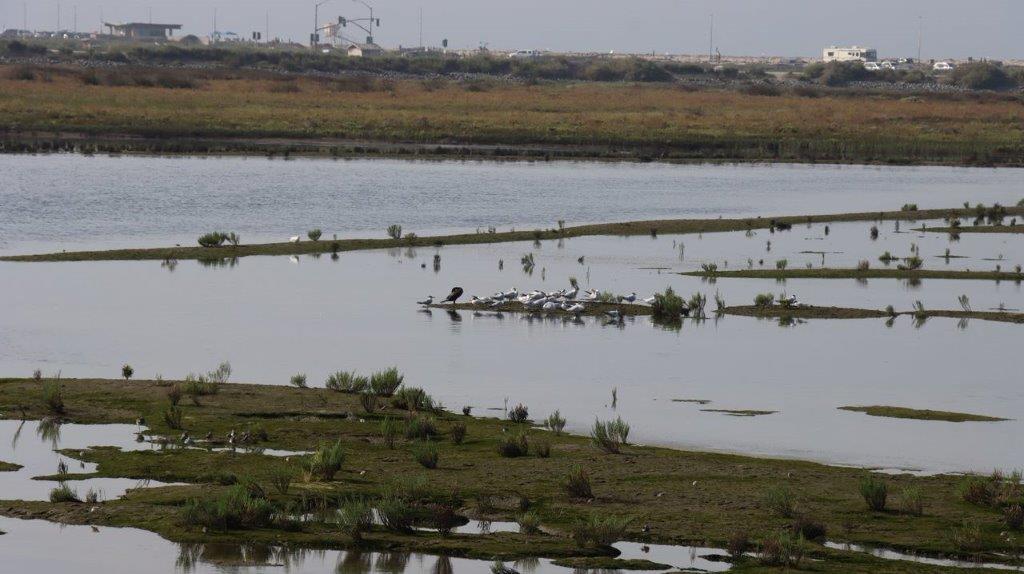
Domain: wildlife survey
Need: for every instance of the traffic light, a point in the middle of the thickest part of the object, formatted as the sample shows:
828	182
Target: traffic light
342	21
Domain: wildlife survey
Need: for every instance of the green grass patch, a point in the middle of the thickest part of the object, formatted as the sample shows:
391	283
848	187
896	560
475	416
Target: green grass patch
920	414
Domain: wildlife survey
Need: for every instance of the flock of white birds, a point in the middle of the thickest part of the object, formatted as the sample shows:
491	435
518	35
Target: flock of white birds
568	300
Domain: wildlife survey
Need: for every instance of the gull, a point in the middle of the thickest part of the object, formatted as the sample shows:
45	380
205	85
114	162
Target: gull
629	298
649	300
293	239
591	295
789	301
428	301
571	294
550	306
575	309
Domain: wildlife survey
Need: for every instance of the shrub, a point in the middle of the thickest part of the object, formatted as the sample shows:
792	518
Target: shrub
385	383
172	417
127	371
596	530
347	382
325	462
37	375
911	263
709	268
420	427
529	522
395	514
389	431
512	446
780	501
875	492
863	265
298	380
909	207
555	422
764	300
981	76
314	234
609	436
355	517
412	399
912	501
781	264
282	481
781	549
967	537
458	433
214	239
667	305
542	448
1013	516
53	397
738	545
174	394
64	493
395	231
200	386
237	508
577	483
426	454
519	414
807	528
369	402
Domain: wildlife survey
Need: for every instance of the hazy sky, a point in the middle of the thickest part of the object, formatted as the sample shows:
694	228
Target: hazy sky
952	28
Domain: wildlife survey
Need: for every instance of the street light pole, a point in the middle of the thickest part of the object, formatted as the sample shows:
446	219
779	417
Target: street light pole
369	39
316	22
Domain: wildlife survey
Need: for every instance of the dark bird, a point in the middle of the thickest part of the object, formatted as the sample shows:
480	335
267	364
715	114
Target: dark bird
454	295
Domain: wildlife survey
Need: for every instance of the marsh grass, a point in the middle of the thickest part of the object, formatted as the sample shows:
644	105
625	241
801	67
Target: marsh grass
347	382
390	430
764	300
298	380
875	493
369	402
780	501
426	454
458	432
781	549
667	305
599	531
514	445
413	399
1013	516
967	537
394	231
529	522
610	436
385	383
236	508
174	394
912	501
577	483
542	448
53	397
64	493
555	422
281	480
324	463
355	518
395	514
420	426
911	263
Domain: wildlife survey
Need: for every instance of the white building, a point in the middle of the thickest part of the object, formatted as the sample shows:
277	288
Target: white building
943	66
364	50
851	54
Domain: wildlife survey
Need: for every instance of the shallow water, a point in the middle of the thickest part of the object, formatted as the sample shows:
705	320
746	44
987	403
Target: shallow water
28	545
272	318
55	202
32	444
906	557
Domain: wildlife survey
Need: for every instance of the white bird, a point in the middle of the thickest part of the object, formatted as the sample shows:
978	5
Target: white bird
591	295
629	298
428	301
571	294
649	300
550	306
575	309
293	239
293	259
790	301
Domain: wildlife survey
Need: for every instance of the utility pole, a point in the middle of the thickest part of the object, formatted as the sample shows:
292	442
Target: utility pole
24	15
266	29
58	16
920	34
75	20
213	36
711	40
421	26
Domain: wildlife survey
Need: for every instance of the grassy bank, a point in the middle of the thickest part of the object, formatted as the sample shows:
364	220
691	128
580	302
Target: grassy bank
673	496
975	229
8	466
920	414
670	226
826	273
66	109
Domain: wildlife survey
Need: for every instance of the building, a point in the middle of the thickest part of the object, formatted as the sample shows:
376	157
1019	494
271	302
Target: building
851	54
943	66
364	50
141	31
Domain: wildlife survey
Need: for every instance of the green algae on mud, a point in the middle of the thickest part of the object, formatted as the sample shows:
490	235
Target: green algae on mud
669	226
974	229
677	497
8	466
920	414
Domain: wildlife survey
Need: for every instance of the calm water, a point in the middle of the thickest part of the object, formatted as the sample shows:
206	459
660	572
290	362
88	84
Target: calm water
273	317
73	202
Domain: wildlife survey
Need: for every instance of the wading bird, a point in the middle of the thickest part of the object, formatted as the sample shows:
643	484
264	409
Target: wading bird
454	295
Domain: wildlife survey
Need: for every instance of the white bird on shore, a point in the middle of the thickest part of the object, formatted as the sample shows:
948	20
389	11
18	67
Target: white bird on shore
293	239
790	301
550	306
428	301
649	300
591	295
575	309
571	294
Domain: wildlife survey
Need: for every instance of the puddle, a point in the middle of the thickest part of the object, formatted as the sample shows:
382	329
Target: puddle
895	555
32	445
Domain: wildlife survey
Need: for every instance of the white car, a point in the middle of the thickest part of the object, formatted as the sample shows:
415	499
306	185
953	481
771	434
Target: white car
943	66
872	66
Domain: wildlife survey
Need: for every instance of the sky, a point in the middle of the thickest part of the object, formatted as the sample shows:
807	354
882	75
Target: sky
951	28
